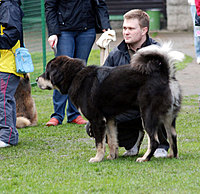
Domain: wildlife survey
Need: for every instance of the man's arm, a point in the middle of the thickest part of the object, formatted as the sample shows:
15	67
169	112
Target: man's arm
103	14
110	62
51	7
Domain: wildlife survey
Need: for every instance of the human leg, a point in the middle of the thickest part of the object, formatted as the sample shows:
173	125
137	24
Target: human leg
8	131
196	38
59	102
83	45
73	114
135	149
65	46
130	131
130	136
84	42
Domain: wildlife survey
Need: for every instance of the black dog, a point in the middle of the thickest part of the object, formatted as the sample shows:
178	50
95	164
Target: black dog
102	93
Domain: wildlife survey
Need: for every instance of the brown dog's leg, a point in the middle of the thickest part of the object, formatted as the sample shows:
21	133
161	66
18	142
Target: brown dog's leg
112	139
34	118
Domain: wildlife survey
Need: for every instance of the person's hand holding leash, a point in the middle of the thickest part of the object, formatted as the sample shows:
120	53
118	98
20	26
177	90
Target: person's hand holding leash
53	40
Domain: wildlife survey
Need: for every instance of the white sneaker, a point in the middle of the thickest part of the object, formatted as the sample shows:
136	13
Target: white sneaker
198	60
160	153
132	152
3	145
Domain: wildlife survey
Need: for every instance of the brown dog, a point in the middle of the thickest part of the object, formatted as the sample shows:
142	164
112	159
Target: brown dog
25	105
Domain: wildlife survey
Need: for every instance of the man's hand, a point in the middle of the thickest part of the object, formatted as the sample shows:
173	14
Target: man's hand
53	39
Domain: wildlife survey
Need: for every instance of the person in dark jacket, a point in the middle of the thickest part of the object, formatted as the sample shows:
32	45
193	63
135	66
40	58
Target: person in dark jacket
71	27
11	38
130	130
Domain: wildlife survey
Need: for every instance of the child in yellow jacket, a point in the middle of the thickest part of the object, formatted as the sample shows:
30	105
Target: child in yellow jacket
11	38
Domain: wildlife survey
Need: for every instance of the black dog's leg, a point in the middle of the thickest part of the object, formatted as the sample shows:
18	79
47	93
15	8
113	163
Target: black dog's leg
152	146
151	129
174	147
112	139
172	137
99	128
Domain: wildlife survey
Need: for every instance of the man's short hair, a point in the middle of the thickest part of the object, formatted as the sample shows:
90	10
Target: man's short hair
139	14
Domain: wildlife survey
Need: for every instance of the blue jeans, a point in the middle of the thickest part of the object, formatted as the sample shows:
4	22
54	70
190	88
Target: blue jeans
75	44
196	38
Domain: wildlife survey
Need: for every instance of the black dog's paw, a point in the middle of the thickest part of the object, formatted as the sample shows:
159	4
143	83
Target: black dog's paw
89	129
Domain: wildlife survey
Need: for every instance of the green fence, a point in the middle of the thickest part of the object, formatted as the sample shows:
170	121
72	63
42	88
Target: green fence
35	34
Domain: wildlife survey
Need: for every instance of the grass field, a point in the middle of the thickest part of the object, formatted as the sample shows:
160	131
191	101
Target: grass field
55	159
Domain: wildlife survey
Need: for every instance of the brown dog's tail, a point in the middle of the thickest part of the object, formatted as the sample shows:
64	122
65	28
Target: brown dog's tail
22	122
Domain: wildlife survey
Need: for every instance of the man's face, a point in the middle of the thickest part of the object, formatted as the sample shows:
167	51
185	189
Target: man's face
132	32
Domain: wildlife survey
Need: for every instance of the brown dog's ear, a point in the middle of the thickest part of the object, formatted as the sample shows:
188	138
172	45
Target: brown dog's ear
27	76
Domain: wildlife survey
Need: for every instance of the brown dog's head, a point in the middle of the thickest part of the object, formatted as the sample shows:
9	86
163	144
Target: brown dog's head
59	73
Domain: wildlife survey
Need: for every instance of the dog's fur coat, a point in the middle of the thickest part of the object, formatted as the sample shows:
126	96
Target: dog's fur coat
25	105
102	93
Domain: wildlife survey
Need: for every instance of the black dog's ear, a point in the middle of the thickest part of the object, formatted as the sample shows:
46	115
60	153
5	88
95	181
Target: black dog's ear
56	77
80	61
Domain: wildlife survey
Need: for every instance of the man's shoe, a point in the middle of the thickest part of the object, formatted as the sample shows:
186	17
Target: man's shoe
3	145
132	152
79	120
52	122
160	153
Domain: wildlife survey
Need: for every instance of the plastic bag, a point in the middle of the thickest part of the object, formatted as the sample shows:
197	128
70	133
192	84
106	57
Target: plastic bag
23	61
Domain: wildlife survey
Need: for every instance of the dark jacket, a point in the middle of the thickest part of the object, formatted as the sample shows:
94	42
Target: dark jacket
120	55
75	15
10	23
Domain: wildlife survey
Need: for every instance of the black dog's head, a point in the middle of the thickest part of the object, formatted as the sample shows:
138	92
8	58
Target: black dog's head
59	73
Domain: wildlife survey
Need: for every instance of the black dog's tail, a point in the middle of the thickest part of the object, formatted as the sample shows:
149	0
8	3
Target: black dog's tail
151	58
